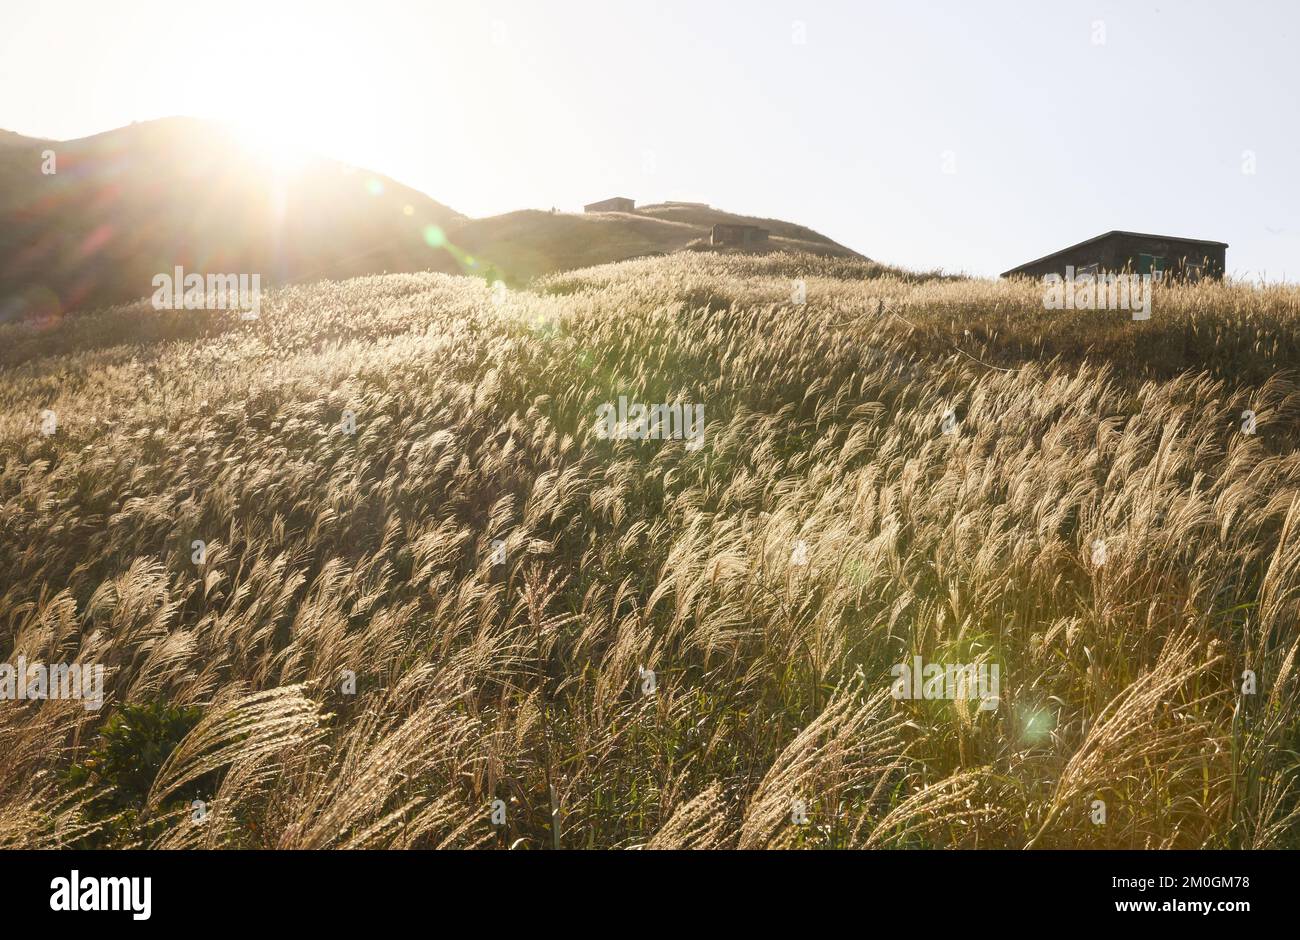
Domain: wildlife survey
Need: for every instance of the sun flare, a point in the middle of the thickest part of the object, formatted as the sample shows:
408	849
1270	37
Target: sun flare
281	150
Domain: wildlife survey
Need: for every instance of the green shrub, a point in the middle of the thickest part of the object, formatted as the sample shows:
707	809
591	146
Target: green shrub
120	769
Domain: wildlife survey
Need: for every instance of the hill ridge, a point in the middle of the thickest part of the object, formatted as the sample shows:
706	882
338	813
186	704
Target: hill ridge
131	201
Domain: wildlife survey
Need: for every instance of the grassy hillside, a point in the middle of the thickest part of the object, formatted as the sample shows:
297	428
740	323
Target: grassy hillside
137	201
499	581
784	234
521	246
126	205
10	139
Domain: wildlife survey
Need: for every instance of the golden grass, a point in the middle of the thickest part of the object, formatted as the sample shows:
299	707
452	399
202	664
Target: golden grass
522	682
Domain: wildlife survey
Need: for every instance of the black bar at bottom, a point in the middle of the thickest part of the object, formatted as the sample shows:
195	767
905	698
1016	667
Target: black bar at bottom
621	890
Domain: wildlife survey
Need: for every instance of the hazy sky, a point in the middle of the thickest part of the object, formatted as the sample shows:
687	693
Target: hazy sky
1057	120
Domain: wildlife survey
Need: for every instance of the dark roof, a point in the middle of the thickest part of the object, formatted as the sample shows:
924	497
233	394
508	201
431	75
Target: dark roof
1089	241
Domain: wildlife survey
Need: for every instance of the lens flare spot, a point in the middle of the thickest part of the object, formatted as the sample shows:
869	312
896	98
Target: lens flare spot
434	237
1037	724
374	187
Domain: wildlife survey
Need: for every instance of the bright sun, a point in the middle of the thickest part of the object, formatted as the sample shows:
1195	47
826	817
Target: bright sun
281	149
284	102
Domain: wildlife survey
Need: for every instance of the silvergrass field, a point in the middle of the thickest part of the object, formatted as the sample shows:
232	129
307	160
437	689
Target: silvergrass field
435	632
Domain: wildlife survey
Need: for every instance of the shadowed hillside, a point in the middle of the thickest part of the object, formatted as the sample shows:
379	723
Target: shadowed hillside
785	235
134	202
523	245
10	139
129	204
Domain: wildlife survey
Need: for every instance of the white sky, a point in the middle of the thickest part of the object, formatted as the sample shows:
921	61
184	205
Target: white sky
489	107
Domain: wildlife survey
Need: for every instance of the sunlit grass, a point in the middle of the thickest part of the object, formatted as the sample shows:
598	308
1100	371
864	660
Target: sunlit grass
372	553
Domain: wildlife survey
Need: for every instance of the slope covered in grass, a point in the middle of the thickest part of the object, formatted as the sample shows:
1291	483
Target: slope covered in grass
462	601
134	202
521	246
128	204
785	234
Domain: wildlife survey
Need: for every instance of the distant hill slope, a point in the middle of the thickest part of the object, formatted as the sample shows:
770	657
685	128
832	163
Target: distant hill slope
134	202
10	139
530	243
138	201
787	234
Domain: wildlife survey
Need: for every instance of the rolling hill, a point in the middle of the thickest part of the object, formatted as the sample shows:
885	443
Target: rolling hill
130	203
529	243
10	139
